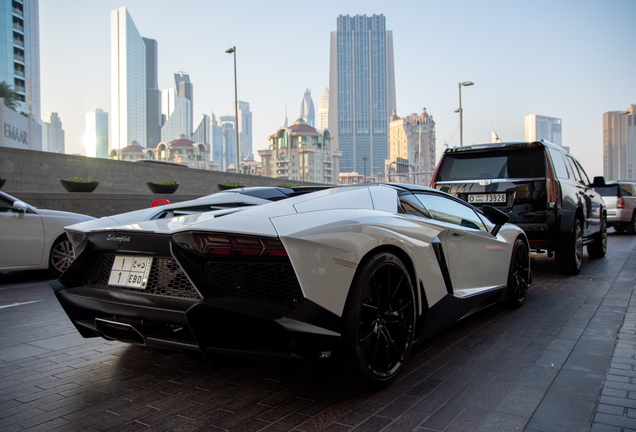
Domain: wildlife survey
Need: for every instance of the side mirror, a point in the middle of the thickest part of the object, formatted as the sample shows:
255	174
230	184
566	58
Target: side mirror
599	182
19	207
495	216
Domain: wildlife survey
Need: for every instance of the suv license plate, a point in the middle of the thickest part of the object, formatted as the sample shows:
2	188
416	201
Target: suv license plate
487	198
130	271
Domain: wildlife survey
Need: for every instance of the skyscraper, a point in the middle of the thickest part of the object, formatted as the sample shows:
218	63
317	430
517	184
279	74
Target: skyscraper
323	110
184	89
128	81
21	53
245	129
307	112
541	127
97	133
153	95
362	91
619	144
54	134
202	133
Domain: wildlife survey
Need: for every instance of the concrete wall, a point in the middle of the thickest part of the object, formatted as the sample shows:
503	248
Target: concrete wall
34	176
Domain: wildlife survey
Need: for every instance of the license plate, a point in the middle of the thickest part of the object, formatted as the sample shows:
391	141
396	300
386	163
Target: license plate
130	271
487	198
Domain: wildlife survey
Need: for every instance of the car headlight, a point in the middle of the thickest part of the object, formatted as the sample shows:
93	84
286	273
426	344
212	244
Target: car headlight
78	241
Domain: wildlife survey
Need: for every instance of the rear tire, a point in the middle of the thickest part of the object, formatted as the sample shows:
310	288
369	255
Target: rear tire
379	321
61	256
519	274
631	226
569	257
619	228
598	248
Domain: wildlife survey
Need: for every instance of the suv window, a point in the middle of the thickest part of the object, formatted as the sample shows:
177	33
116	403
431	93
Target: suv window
610	190
627	189
584	176
559	163
446	210
573	169
502	164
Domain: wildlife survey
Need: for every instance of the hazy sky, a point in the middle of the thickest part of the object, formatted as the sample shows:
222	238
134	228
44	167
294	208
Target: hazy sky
569	59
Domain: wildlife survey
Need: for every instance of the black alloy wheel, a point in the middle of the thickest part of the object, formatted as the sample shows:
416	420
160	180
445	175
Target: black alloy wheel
569	258
631	226
61	256
598	248
519	274
379	321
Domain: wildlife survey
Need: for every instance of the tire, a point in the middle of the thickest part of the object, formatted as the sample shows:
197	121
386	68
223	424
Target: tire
619	228
631	226
379	321
519	274
61	256
598	248
570	256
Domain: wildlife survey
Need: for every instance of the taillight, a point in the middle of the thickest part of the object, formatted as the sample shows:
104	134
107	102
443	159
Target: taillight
230	245
620	203
552	186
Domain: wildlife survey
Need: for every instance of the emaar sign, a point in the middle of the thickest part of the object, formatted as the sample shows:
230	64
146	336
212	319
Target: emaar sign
16	134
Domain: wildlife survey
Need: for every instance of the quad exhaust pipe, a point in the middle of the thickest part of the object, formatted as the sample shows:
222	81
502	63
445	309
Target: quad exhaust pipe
119	331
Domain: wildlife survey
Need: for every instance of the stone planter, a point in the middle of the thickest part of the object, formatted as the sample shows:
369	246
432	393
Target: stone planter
79	187
162	189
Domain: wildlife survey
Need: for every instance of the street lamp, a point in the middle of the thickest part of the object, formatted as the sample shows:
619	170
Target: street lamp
461	111
364	179
238	144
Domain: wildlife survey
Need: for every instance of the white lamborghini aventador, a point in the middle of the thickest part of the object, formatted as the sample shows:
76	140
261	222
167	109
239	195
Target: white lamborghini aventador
352	276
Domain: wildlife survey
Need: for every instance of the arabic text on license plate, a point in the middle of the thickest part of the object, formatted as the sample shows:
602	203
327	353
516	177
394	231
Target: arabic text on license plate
130	271
486	198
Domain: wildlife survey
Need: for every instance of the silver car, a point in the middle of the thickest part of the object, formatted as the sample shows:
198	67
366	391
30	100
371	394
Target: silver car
32	238
620	201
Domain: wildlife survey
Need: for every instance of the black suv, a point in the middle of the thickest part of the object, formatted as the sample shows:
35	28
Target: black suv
543	189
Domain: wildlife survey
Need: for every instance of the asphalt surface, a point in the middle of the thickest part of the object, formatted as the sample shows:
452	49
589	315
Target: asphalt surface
565	361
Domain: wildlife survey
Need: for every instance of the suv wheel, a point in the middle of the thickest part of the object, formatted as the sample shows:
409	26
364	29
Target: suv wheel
570	257
631	226
598	248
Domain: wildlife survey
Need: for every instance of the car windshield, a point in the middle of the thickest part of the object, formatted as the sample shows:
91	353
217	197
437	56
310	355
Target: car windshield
501	164
610	190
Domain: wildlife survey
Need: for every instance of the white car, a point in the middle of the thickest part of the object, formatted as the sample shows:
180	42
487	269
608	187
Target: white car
350	276
32	238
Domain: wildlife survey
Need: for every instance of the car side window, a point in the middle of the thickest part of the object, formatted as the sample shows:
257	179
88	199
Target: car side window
5	205
559	164
447	210
410	205
625	190
584	176
573	168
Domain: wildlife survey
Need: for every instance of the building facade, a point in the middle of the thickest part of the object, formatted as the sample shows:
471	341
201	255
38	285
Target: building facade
97	133
307	112
153	94
300	152
412	143
362	90
53	134
202	132
544	128
128	82
619	145
323	110
245	129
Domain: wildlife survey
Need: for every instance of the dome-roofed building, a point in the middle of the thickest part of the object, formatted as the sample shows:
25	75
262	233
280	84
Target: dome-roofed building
132	152
182	150
300	152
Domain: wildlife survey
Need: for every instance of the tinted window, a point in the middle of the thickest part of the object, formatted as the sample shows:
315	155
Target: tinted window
573	169
607	190
559	163
513	164
447	210
5	205
411	205
584	176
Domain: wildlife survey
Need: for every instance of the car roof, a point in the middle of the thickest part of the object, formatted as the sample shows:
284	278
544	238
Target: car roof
500	145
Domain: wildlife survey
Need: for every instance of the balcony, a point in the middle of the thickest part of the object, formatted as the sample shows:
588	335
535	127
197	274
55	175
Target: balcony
19	89
18	12
18	42
18	58
18	27
19	73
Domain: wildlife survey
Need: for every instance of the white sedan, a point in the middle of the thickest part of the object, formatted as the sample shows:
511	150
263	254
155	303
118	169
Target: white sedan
32	238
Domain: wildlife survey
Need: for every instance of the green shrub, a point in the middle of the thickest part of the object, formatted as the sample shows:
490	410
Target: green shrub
80	180
234	185
288	185
164	182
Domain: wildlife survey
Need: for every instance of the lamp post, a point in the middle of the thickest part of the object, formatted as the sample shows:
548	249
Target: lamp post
364	178
238	143
461	111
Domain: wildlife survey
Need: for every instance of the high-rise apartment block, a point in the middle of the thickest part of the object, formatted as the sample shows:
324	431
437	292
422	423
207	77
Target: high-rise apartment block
541	127
53	139
153	95
307	112
619	144
412	143
128	82
202	133
245	129
176	109
362	91
223	141
323	110
97	133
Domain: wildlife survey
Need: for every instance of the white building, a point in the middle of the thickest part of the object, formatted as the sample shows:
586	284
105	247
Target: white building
323	110
53	134
245	129
179	116
541	127
97	133
307	112
128	81
619	144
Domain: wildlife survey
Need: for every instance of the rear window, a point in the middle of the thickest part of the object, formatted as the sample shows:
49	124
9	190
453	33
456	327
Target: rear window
496	164
607	190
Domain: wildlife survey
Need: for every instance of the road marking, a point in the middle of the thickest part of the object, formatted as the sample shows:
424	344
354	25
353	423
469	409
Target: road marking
19	304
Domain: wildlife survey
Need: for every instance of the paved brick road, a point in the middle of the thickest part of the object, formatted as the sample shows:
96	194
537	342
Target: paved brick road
559	363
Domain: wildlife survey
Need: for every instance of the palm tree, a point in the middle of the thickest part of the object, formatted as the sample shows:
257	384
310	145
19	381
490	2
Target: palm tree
10	97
